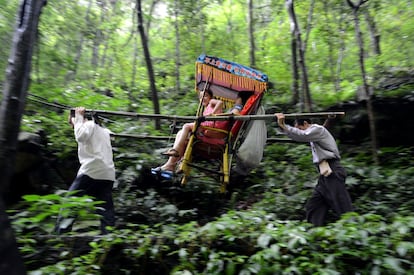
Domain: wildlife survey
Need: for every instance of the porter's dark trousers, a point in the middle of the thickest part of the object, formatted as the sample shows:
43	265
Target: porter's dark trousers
102	191
329	193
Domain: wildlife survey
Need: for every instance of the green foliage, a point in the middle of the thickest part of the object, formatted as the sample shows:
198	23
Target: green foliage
37	215
72	36
40	212
380	190
254	242
269	237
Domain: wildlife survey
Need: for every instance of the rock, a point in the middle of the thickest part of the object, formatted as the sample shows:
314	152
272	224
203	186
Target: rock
34	171
394	122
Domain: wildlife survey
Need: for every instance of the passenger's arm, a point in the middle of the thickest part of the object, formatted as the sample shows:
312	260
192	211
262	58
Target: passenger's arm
217	106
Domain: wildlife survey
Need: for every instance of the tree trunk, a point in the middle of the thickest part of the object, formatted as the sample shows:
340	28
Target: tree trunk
230	30
294	27
177	48
154	93
370	111
11	110
309	25
330	41
373	33
201	24
250	24
149	17
98	38
134	72
341	32
295	74
73	74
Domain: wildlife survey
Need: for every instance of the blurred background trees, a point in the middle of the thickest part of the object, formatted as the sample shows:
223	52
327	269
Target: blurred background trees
95	45
92	53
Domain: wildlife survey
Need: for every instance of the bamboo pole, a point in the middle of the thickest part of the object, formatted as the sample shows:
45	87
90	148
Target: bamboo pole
220	117
214	118
272	116
121	135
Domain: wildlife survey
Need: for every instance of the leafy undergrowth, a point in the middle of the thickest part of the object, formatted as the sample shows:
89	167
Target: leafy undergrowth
245	242
257	228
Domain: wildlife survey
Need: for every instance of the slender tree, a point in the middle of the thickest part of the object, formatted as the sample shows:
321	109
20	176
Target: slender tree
373	32
228	14
309	24
296	95
11	111
97	38
150	70
74	72
358	34
341	49
250	25
177	46
201	24
296	34
148	22
330	41
134	69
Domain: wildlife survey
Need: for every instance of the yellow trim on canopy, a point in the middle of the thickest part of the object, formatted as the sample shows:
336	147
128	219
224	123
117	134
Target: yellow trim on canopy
232	79
227	102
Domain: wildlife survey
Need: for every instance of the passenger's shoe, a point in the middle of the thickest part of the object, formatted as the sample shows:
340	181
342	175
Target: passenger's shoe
164	174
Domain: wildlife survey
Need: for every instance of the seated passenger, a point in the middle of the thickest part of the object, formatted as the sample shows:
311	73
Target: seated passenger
212	106
177	152
235	110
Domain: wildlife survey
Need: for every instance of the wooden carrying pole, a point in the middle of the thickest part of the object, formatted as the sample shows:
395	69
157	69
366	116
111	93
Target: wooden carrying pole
138	115
214	118
145	137
220	117
273	117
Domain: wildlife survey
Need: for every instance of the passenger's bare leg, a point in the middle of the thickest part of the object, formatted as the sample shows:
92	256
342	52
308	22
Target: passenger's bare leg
179	145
